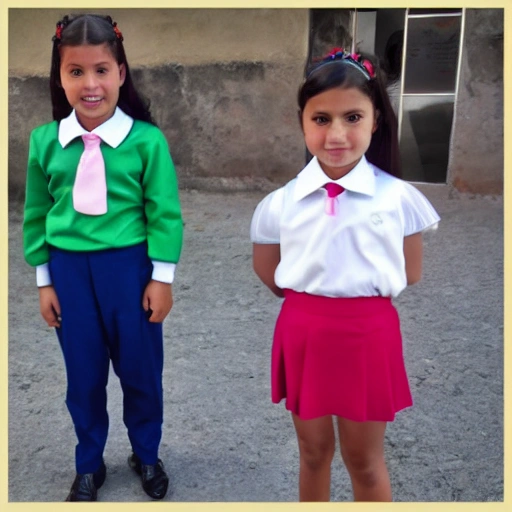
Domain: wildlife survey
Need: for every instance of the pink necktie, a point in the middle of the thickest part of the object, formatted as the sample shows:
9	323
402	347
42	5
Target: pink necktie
333	190
90	188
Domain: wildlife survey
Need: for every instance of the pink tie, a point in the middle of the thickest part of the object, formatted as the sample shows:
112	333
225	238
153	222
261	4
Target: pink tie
90	189
333	190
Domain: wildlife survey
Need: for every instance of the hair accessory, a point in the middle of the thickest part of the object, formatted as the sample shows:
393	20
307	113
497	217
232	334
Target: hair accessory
58	31
119	35
354	59
60	26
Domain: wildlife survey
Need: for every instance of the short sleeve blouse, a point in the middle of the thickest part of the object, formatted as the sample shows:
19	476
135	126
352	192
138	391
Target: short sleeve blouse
356	252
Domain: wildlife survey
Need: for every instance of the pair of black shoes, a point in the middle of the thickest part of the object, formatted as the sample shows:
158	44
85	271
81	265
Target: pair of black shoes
154	480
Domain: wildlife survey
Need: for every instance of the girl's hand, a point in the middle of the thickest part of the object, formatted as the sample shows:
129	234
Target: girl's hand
157	298
49	306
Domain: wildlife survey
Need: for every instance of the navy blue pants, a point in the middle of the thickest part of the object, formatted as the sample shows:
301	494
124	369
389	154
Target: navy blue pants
100	294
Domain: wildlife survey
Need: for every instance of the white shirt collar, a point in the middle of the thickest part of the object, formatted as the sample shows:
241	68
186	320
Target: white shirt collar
113	131
360	179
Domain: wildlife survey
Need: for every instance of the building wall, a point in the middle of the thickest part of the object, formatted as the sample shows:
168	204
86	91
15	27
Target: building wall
476	157
222	85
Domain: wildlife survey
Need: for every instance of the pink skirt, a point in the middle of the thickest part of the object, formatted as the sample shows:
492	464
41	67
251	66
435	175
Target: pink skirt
339	356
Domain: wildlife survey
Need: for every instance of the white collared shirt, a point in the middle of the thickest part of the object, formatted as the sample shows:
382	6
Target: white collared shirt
358	251
113	131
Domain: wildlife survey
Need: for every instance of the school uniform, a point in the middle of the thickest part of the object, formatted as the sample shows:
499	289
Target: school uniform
337	345
100	265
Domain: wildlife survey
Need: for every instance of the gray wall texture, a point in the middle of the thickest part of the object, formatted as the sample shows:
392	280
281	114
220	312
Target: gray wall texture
477	161
223	85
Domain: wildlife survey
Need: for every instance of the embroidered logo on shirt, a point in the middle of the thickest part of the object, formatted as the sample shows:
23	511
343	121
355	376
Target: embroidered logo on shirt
376	219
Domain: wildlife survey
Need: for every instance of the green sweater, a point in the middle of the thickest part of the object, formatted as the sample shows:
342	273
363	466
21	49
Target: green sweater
142	197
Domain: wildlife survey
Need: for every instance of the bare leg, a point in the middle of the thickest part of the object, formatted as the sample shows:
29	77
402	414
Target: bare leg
316	449
362	450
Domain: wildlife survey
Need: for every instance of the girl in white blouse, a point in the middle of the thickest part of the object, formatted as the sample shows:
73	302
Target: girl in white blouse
338	242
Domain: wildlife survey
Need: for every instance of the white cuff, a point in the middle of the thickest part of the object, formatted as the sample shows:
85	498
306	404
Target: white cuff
43	275
163	271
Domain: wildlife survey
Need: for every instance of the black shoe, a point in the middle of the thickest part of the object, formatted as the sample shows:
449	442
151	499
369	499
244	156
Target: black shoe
85	486
154	478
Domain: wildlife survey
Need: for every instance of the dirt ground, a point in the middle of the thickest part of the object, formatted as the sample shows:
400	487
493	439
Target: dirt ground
223	439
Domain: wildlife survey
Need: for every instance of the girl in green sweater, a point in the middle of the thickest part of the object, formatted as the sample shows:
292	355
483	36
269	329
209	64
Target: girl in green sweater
103	228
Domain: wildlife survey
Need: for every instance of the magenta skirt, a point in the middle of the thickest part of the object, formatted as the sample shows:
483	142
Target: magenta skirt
339	356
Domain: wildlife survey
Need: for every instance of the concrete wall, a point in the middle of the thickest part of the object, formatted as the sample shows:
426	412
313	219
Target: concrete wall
476	159
222	85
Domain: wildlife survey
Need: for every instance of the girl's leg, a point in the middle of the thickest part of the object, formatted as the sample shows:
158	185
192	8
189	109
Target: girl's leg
135	344
83	344
362	450
316	450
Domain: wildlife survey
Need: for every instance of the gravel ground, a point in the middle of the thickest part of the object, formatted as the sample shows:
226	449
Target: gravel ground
223	439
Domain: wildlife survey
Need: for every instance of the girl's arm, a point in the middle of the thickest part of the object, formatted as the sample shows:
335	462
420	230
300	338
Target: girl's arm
161	200
413	252
163	222
265	258
38	203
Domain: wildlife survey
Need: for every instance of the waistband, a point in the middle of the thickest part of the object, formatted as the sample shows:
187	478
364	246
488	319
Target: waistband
337	306
142	246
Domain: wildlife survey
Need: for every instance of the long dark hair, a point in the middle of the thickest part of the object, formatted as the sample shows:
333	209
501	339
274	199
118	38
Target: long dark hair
93	29
340	73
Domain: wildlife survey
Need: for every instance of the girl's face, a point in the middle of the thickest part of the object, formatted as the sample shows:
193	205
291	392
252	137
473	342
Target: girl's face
91	79
338	125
